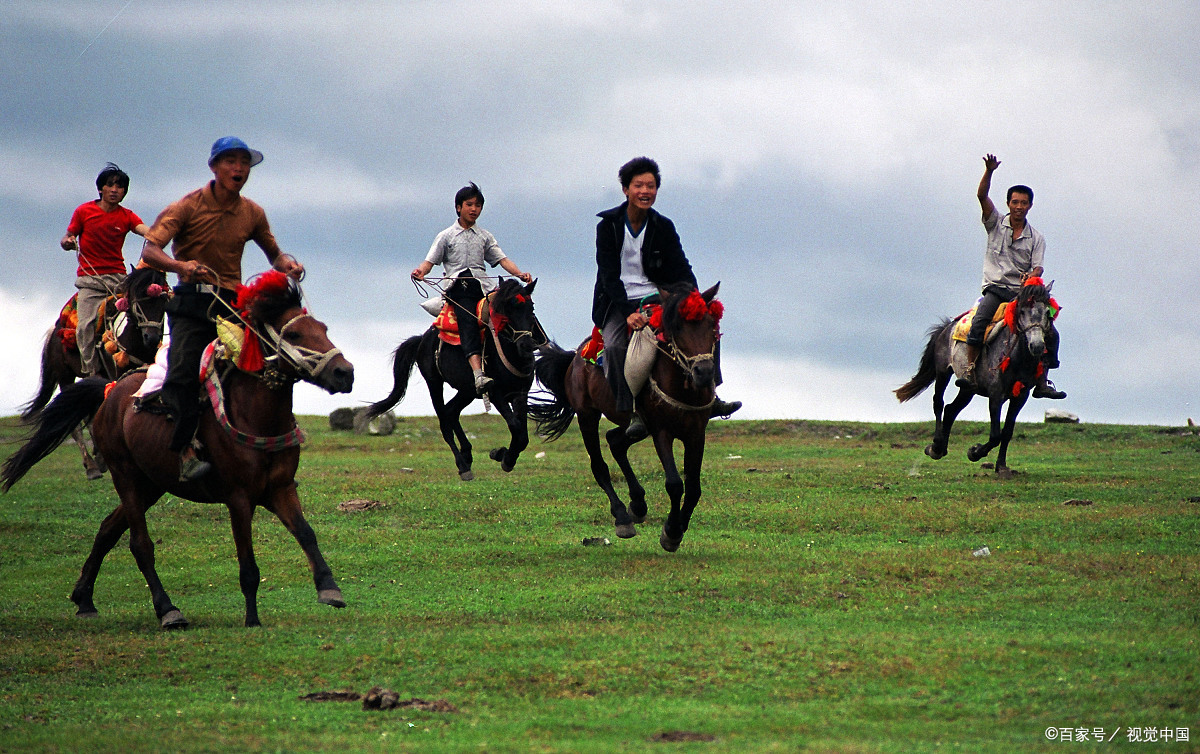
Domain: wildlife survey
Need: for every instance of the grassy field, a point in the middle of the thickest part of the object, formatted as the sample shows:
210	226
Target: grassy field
826	598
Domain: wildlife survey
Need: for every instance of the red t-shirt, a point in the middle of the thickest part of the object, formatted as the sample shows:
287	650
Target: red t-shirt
101	237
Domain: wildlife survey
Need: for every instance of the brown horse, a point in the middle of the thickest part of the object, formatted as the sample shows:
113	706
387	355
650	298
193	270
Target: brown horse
252	442
133	319
675	404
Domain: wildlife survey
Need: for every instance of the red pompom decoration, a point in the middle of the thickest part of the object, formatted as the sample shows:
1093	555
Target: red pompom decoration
693	308
155	290
270	283
122	304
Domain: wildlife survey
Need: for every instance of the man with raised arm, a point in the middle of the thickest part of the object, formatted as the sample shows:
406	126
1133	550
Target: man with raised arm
1014	254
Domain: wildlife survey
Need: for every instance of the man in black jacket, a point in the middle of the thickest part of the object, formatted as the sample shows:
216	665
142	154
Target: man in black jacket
637	251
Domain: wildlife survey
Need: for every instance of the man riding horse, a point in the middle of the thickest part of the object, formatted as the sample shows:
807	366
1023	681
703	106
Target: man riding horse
210	228
637	252
1014	254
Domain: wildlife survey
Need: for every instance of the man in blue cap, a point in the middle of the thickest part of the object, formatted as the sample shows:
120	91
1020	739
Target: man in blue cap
210	228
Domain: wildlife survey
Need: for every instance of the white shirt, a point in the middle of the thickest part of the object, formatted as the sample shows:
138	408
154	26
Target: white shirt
457	248
637	285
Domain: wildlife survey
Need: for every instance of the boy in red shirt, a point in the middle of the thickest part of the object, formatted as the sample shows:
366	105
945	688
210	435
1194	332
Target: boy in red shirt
97	232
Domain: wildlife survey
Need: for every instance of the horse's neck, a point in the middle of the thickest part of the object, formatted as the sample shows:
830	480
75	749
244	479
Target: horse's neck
509	350
255	408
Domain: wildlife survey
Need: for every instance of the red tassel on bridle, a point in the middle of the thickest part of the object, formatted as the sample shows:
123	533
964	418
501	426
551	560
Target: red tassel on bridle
251	359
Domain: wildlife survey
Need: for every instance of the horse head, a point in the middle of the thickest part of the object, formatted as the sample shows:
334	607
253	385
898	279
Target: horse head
690	323
144	294
289	341
1033	317
513	318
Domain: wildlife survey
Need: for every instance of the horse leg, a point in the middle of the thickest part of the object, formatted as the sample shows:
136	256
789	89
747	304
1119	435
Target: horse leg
673	527
142	547
619	446
111	530
589	430
693	459
980	451
1014	407
941	435
518	431
241	517
90	466
286	505
448	423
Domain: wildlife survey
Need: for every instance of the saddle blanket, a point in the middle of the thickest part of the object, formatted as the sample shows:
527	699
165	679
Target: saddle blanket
157	372
962	325
446	322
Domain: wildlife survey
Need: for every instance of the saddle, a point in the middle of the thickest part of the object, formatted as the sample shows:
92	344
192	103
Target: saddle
640	355
68	322
962	326
446	322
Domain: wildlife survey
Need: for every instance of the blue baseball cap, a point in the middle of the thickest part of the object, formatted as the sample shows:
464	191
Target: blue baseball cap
230	143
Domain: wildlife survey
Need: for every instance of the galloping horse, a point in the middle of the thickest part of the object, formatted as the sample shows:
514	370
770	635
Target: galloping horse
1010	365
133	322
513	334
675	405
251	438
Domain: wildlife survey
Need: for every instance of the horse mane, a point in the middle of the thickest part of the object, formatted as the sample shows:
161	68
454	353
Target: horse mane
267	296
684	303
509	293
141	278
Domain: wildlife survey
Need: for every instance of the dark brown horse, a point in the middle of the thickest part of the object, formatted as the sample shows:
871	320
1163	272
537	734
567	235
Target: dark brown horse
133	319
513	334
675	404
1009	366
253	446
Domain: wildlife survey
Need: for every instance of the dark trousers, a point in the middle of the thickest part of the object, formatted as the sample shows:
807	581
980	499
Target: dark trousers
992	298
465	295
192	329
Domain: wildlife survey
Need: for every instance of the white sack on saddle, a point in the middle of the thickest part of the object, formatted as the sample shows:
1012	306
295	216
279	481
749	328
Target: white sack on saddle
639	359
432	305
156	374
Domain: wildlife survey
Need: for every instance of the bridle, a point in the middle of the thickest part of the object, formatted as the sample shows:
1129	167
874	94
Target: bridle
305	362
687	363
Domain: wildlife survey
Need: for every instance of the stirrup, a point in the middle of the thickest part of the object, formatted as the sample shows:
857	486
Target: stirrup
191	469
482	383
636	431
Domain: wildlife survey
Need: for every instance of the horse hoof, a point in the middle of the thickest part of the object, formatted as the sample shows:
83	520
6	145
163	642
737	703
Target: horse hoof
933	452
1003	472
466	476
331	597
974	454
506	468
497	454
174	619
636	518
625	531
668	544
94	474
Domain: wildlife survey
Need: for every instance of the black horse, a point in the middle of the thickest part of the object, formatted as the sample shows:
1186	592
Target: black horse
1009	366
676	404
133	323
513	335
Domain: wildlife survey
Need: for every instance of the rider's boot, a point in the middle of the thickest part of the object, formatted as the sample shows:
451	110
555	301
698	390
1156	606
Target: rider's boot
636	431
968	376
191	466
724	408
1046	389
482	382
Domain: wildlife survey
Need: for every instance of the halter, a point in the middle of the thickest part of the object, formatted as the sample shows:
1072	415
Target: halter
687	364
306	361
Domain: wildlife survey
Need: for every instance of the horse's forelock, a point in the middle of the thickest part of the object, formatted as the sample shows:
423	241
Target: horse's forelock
267	297
1030	293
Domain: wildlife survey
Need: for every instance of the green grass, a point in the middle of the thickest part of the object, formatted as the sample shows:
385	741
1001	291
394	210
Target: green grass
825	599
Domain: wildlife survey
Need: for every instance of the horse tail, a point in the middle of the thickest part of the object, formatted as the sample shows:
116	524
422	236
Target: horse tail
72	407
927	371
552	415
30	410
403	359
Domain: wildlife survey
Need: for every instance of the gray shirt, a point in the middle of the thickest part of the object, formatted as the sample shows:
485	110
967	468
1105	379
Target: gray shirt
457	248
1007	258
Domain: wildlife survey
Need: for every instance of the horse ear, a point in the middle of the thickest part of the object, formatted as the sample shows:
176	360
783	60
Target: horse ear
529	288
1049	286
711	292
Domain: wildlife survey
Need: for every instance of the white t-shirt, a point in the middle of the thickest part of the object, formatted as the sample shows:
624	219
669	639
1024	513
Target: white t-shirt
637	285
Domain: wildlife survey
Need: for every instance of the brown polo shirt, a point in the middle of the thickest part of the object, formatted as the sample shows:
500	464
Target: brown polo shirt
213	235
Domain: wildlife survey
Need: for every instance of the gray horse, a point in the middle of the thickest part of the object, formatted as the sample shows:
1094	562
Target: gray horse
1009	366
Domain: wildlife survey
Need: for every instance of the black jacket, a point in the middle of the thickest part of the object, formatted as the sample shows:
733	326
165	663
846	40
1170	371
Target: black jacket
662	260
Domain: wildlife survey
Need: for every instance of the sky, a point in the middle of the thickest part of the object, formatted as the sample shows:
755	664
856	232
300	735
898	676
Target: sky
819	159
